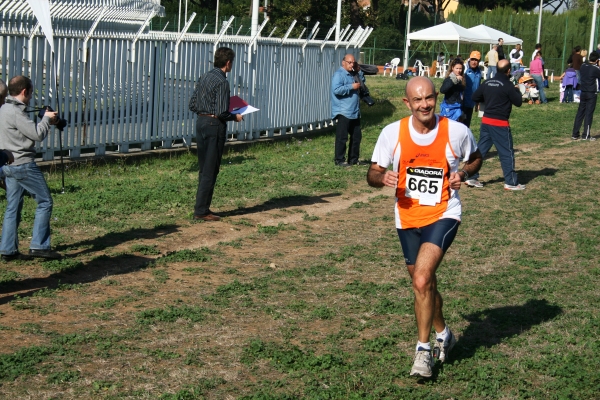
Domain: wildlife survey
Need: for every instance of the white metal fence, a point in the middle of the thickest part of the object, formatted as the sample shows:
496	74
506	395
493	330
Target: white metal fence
125	91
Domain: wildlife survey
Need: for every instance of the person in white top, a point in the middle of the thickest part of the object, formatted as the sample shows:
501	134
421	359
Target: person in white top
425	152
538	47
516	55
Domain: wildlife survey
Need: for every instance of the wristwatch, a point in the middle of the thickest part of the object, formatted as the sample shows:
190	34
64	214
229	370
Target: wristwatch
466	175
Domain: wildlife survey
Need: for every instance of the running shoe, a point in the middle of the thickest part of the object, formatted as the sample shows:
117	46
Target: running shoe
442	348
591	139
575	138
473	183
423	364
515	187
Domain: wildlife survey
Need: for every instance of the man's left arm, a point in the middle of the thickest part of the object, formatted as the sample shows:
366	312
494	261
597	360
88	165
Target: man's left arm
470	168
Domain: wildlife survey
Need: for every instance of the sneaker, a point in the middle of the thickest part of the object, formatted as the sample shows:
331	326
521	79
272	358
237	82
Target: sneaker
515	187
441	349
591	139
575	138
473	183
423	364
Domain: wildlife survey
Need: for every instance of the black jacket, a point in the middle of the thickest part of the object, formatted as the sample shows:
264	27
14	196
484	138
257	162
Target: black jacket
500	51
589	74
499	95
453	92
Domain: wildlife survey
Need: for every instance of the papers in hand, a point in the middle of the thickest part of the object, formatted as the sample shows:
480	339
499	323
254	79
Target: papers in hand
238	106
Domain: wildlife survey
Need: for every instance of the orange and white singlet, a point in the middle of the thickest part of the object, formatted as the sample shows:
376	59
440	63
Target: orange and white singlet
424	163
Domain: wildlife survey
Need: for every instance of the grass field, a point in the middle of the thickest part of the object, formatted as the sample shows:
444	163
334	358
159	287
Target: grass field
301	290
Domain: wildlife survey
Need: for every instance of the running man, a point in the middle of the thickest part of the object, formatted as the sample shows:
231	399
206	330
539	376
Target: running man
425	151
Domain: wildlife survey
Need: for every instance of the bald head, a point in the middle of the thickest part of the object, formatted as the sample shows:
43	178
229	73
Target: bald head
418	83
503	66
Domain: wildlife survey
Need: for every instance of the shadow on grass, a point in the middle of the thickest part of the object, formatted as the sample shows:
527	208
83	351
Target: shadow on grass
75	273
526	176
112	239
381	111
281	202
490	327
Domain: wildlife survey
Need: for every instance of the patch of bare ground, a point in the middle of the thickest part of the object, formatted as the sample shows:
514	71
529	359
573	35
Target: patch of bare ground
114	284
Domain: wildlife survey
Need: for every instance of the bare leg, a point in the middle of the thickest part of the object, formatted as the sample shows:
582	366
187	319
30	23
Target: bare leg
428	301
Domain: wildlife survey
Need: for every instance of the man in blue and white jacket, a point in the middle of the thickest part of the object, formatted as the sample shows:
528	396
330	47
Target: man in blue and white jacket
472	81
345	99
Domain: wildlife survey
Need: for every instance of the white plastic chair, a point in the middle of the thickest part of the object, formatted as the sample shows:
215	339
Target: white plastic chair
394	67
420	68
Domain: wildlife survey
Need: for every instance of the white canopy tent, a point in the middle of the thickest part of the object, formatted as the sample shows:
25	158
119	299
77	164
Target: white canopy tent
448	32
493	35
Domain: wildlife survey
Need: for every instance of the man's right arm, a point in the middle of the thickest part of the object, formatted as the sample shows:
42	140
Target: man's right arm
338	87
30	130
515	96
378	177
477	95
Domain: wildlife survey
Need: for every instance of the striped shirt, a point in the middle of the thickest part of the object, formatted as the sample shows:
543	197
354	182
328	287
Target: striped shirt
213	95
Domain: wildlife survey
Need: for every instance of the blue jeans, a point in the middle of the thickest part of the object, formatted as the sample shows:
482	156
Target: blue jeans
540	85
19	179
515	67
568	96
491	72
501	137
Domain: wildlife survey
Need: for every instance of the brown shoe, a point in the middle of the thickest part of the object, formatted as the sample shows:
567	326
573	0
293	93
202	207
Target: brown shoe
207	217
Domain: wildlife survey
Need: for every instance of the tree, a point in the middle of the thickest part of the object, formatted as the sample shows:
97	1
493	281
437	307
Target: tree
480	5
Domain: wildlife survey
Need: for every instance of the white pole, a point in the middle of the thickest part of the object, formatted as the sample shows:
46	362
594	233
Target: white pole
593	26
540	22
185	19
338	20
179	18
406	37
217	19
254	27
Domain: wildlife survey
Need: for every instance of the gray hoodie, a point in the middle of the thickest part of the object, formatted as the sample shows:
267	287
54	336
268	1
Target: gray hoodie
18	133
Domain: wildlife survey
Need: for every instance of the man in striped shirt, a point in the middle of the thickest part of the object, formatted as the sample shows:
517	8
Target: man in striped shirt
211	104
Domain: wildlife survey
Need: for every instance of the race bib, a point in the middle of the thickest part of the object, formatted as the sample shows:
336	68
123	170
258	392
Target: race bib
424	184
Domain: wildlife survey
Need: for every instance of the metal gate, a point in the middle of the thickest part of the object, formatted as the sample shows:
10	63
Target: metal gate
129	92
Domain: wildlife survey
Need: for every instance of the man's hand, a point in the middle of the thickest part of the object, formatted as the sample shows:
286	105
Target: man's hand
9	155
378	176
356	86
455	180
390	178
52	115
239	117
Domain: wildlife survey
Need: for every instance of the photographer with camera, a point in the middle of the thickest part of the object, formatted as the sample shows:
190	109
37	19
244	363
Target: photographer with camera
18	135
345	97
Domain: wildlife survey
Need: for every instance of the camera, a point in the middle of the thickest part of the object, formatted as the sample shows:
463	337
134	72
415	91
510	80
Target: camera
60	125
365	95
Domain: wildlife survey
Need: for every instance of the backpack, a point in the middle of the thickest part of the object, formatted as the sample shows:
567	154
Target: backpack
402	76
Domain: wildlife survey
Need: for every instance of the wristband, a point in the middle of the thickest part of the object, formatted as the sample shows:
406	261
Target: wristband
466	175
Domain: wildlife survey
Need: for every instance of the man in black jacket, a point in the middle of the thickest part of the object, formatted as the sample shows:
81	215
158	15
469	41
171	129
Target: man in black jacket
499	95
500	50
590	73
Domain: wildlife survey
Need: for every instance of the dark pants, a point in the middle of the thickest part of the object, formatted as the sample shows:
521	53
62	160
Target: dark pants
501	137
344	128
468	111
587	105
210	139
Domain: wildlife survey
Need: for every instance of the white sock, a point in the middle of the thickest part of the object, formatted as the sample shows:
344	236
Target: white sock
424	346
442	335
